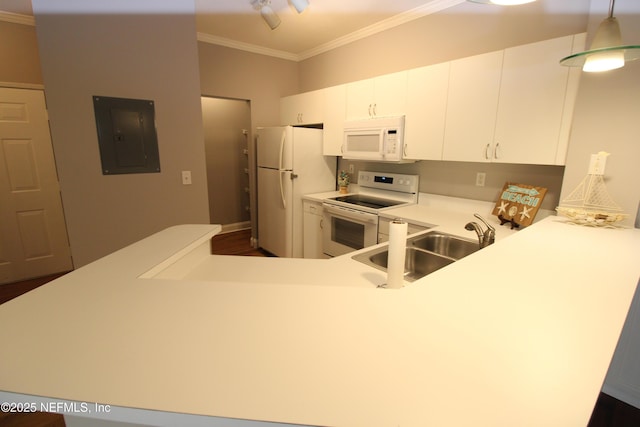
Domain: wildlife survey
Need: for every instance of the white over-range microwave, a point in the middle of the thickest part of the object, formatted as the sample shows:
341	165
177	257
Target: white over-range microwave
380	139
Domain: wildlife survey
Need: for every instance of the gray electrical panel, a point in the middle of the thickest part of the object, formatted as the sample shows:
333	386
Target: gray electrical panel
126	135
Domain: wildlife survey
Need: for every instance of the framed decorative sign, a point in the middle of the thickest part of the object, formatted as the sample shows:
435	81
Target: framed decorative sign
518	204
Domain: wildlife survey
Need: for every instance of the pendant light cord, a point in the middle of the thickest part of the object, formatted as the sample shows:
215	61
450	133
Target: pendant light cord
611	5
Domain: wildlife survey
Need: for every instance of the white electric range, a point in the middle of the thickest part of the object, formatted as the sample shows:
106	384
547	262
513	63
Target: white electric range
351	221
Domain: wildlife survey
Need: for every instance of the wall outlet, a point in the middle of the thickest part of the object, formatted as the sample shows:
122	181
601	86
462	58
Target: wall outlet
480	179
186	177
352	169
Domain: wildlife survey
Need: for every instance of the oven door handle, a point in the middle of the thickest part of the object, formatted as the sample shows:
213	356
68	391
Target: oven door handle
351	214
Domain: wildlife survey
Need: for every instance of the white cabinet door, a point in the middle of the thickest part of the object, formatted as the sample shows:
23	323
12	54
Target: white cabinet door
579	45
390	95
474	87
334	115
304	108
427	89
382	96
532	100
360	99
312	238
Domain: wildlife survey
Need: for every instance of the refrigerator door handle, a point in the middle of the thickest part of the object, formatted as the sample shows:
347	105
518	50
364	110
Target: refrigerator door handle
284	135
284	201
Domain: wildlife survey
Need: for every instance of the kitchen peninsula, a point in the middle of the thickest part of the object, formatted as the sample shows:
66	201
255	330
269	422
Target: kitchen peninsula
519	333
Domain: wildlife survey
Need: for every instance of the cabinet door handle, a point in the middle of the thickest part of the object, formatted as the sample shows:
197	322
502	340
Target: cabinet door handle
496	151
321	223
486	151
375	113
370	115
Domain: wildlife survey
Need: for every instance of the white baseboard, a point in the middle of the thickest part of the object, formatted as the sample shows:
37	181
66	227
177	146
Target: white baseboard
228	228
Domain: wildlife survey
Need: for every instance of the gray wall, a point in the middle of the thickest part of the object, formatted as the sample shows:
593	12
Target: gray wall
607	117
224	121
262	80
132	55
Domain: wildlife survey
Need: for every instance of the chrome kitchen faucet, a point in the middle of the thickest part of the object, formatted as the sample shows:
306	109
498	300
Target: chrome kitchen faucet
485	237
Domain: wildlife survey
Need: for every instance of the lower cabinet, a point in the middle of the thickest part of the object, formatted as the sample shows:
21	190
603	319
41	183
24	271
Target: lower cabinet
312	238
383	229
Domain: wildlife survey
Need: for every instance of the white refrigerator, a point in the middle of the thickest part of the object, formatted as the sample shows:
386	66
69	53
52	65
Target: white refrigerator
290	165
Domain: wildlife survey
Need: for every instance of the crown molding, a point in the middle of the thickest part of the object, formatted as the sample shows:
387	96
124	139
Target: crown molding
208	38
399	19
402	18
16	18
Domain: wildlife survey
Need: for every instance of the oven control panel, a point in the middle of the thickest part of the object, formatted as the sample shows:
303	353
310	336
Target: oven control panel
389	181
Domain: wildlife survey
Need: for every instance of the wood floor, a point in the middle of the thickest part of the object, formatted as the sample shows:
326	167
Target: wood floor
608	412
235	243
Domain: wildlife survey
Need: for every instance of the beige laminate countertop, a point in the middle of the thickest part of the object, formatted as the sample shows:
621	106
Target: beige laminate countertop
520	333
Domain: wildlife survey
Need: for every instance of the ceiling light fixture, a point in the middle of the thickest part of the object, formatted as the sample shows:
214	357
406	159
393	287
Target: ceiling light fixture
607	51
270	17
502	2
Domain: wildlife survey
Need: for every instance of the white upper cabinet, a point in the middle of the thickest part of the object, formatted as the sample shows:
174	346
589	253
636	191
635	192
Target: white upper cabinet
334	114
533	95
304	108
382	96
427	89
474	89
512	106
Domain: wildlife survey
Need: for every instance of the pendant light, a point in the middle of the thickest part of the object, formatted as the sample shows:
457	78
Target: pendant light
607	51
502	2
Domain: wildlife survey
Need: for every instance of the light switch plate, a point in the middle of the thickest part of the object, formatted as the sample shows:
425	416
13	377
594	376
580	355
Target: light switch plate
598	163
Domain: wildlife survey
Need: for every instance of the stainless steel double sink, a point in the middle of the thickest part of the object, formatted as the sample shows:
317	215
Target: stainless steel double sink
425	254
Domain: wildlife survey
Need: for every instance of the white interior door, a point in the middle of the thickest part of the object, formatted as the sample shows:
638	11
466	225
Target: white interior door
33	234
